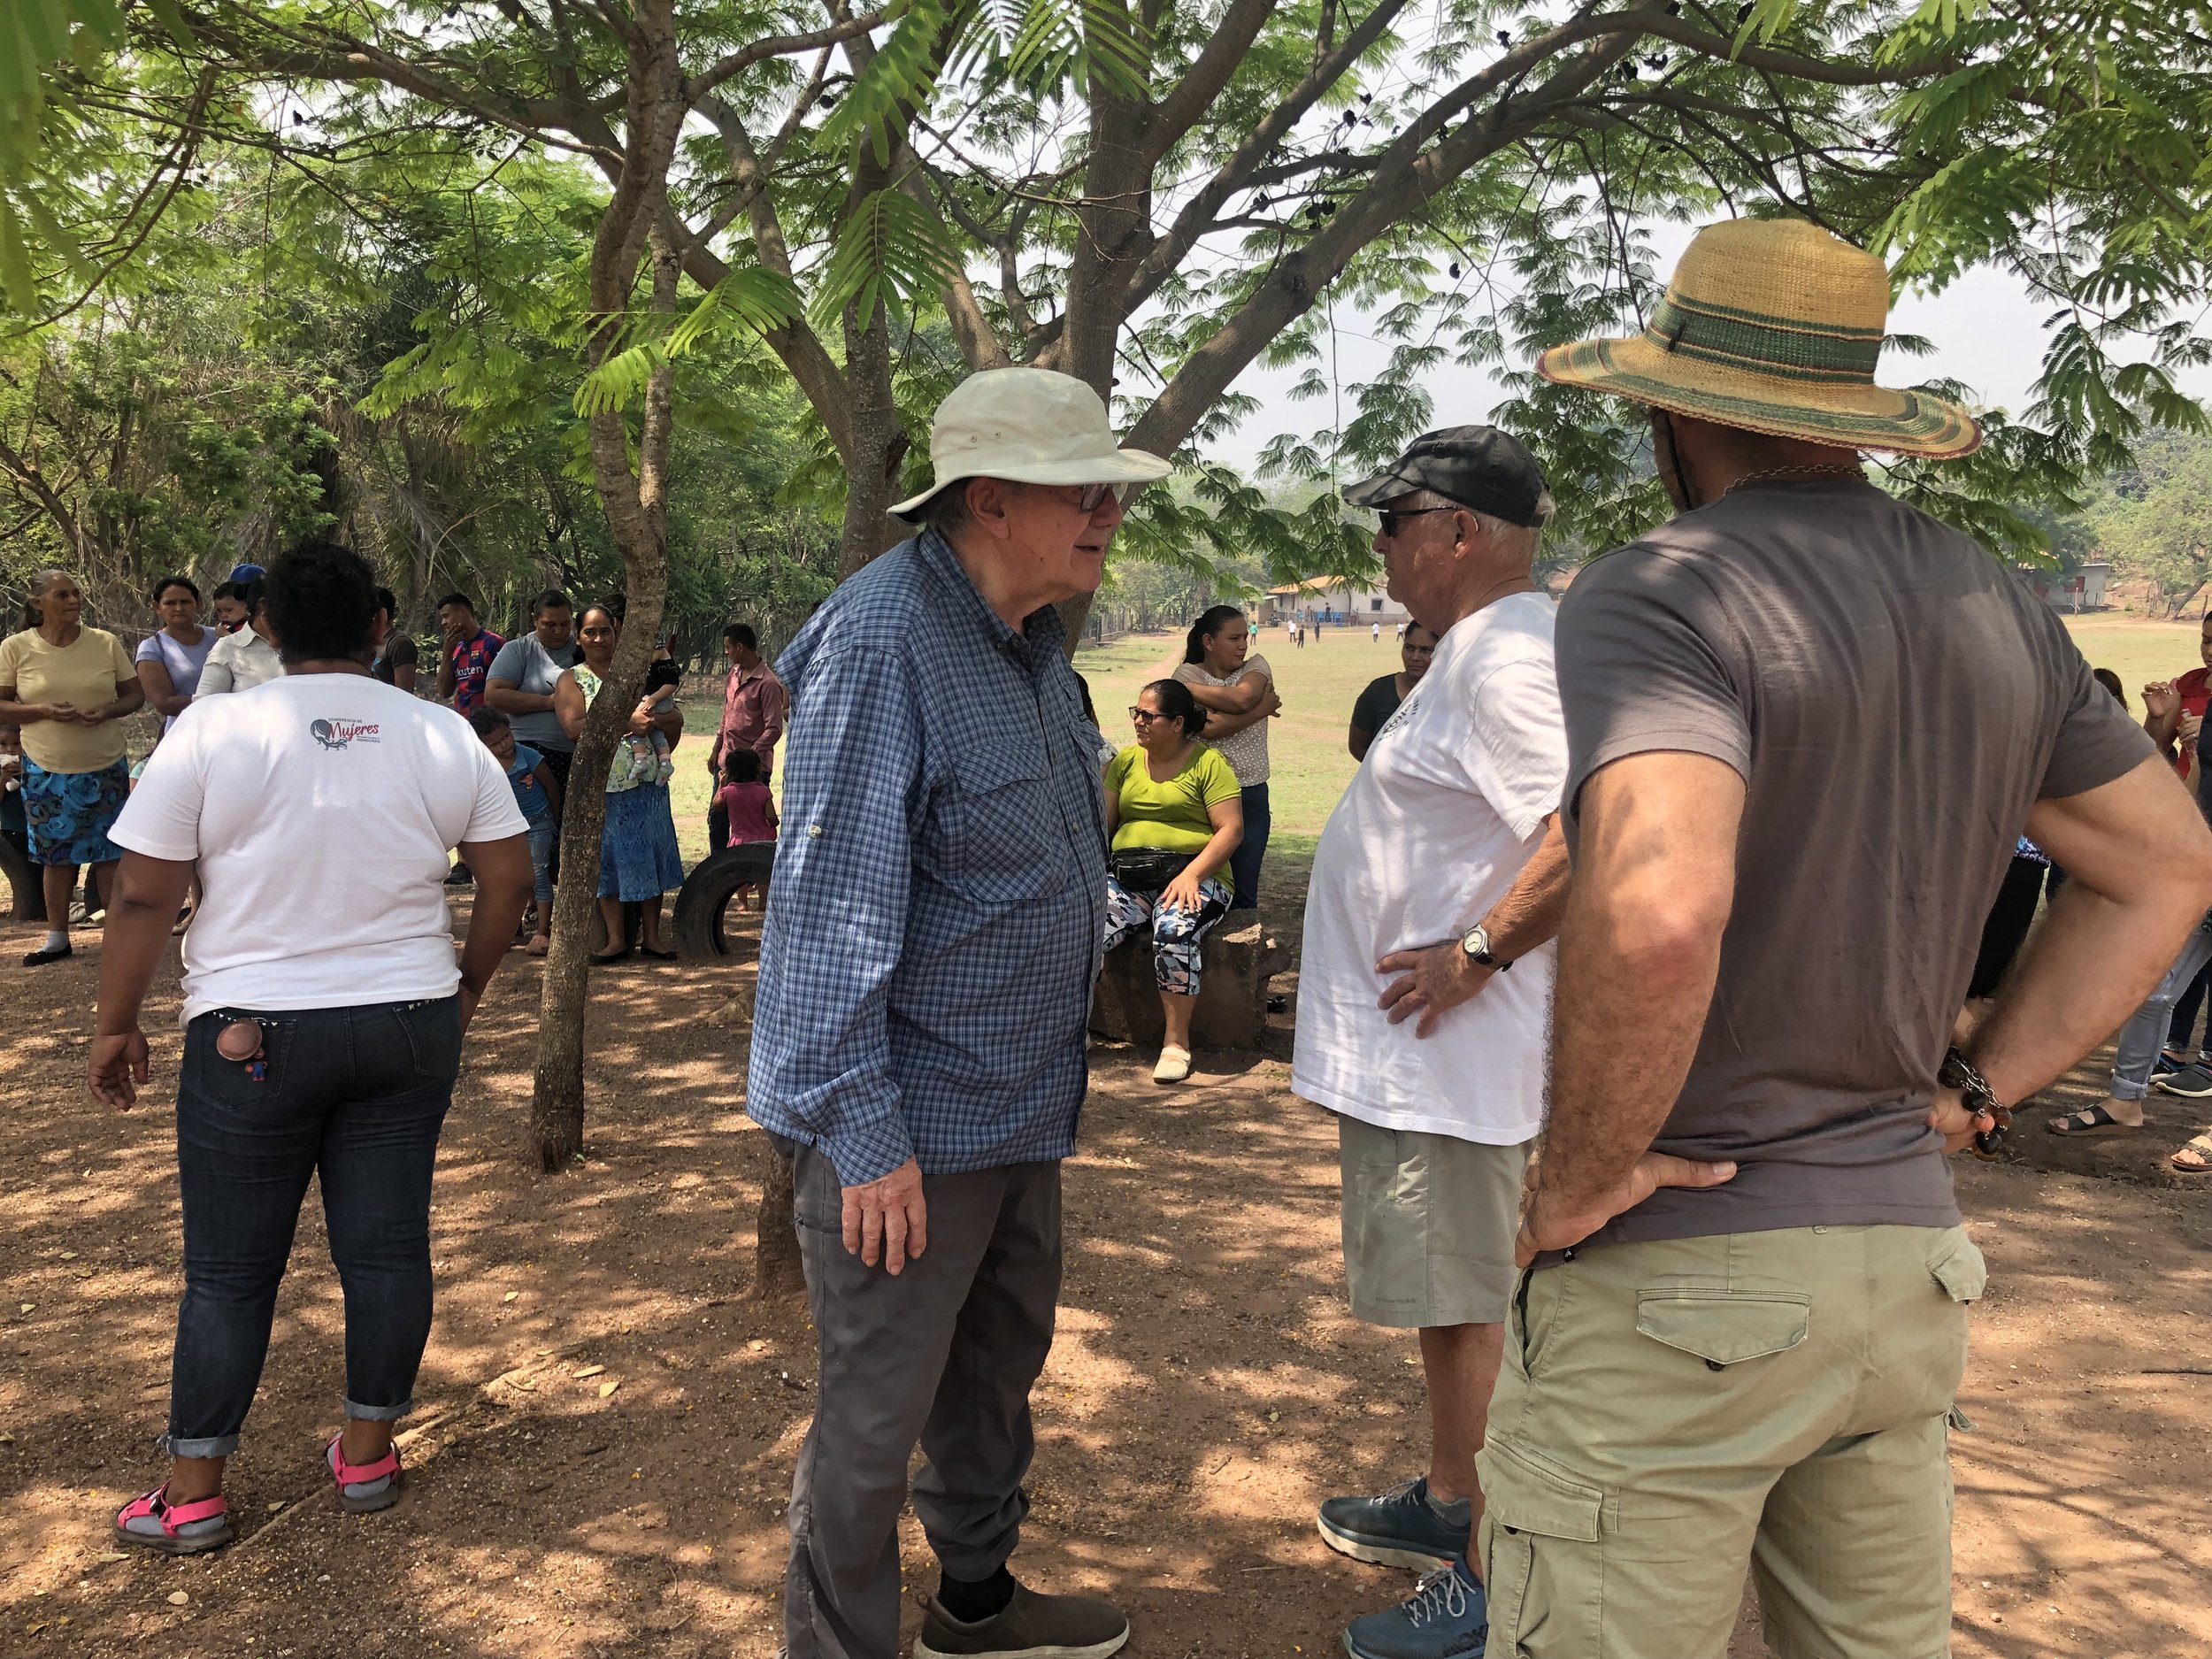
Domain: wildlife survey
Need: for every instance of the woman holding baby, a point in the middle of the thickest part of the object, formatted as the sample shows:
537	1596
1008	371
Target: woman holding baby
638	859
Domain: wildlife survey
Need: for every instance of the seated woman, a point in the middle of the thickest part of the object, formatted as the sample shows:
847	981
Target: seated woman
1174	812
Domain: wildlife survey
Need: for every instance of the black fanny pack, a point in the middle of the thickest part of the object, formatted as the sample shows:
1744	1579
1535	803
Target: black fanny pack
1147	868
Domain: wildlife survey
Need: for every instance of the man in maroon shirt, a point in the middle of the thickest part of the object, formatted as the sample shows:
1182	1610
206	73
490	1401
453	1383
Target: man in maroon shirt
754	705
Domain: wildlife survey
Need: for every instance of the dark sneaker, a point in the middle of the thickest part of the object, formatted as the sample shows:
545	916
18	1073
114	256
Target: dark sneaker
2191	1082
1032	1627
1399	1529
459	876
1445	1618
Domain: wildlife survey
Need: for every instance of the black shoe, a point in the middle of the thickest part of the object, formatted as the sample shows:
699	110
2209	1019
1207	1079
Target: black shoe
40	957
1032	1626
1400	1528
458	877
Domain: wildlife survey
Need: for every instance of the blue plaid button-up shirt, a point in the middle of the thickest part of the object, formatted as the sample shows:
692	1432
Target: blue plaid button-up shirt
934	930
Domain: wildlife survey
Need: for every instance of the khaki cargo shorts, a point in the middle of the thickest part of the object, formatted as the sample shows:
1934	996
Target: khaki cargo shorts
1669	1412
1429	1222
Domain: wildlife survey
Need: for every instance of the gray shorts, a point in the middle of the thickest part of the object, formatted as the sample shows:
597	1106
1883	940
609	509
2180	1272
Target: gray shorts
1429	1222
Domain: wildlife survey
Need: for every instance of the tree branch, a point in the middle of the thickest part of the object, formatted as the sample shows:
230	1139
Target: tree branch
779	46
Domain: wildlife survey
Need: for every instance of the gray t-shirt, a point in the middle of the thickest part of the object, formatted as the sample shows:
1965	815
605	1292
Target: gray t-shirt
1895	701
528	666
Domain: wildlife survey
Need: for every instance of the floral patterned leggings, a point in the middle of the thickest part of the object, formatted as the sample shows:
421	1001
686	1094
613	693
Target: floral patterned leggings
1176	933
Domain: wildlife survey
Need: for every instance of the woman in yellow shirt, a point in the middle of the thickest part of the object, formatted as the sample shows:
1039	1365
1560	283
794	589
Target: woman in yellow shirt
1174	811
68	686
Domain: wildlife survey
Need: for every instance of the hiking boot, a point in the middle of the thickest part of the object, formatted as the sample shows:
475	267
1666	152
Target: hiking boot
1445	1618
1402	1528
1032	1626
2192	1082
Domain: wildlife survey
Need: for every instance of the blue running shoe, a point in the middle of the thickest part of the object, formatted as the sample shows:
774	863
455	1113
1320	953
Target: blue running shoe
1401	1528
1447	1618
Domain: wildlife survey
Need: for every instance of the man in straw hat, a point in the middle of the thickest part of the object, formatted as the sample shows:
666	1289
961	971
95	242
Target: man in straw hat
919	1038
1805	723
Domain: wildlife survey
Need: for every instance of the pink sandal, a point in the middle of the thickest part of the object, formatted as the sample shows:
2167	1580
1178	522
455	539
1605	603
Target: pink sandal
364	1488
178	1529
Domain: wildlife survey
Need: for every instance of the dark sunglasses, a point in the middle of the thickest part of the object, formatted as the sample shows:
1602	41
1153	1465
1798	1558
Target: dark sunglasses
1390	516
1145	717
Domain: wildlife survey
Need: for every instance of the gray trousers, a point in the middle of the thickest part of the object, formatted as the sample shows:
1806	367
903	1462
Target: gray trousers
944	1354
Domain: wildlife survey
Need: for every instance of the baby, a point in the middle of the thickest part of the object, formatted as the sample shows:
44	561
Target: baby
650	761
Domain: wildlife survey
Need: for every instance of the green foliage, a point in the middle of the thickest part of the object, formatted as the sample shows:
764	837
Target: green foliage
2154	520
893	253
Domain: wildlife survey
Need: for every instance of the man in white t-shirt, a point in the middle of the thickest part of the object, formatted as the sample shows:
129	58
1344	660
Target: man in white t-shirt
1424	988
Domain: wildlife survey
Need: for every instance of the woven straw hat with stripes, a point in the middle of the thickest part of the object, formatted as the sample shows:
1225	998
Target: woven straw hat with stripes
1771	325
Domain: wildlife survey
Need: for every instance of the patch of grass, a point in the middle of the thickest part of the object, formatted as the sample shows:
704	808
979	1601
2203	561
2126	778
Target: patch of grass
2137	651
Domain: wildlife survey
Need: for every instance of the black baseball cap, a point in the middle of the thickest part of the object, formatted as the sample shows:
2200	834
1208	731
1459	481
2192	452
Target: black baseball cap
1476	466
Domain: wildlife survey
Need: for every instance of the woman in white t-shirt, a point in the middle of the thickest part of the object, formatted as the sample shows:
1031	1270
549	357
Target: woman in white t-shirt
323	1013
1237	693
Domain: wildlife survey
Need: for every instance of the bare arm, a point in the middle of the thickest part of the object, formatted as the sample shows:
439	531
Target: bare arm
1221	726
2138	867
1436	978
569	706
510	699
1227	818
153	678
1358	740
142	908
2161	711
446	677
130	697
14	713
1241	698
503	884
1655	880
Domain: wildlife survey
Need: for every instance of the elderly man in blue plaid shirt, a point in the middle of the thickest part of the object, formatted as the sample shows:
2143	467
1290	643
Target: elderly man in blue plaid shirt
919	1038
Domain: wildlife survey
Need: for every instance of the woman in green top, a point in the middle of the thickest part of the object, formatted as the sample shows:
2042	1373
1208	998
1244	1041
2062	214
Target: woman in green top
1174	811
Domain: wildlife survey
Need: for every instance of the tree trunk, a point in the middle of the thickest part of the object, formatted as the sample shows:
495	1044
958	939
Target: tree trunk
636	508
776	1270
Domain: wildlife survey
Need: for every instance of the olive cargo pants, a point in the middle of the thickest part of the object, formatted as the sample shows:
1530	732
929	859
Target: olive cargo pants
1670	1411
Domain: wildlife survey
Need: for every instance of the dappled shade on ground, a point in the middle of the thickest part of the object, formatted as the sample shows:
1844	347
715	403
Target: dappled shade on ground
1207	1391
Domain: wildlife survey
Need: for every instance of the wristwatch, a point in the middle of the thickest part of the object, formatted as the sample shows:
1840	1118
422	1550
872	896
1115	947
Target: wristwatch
1476	942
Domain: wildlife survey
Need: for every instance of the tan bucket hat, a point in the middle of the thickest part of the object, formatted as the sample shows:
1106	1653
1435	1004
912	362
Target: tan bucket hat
1030	426
1771	325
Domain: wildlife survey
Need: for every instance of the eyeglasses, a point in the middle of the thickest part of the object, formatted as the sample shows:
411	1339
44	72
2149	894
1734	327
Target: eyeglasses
1145	717
1390	516
1090	497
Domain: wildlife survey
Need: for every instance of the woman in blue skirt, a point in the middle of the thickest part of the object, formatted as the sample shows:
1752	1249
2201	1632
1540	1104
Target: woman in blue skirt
638	860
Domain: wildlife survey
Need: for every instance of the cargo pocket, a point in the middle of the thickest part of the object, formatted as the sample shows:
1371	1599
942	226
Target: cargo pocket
1546	1563
1959	1268
1724	1327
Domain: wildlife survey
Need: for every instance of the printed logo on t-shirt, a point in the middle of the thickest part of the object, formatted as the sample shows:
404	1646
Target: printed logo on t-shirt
1399	716
339	733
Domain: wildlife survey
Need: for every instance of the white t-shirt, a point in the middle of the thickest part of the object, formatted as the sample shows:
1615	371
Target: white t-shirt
320	808
1437	824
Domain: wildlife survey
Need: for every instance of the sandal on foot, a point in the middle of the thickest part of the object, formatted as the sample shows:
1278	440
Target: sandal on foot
2088	1123
175	1529
2202	1145
607	957
1174	1065
364	1488
657	956
539	944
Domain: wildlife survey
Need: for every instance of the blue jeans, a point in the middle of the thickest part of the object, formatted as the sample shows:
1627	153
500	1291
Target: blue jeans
357	1096
1244	864
544	835
2142	1035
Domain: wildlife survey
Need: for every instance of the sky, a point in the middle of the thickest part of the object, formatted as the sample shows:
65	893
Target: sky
1987	330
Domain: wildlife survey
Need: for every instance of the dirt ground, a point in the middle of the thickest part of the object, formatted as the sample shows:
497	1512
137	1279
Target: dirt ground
606	1423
